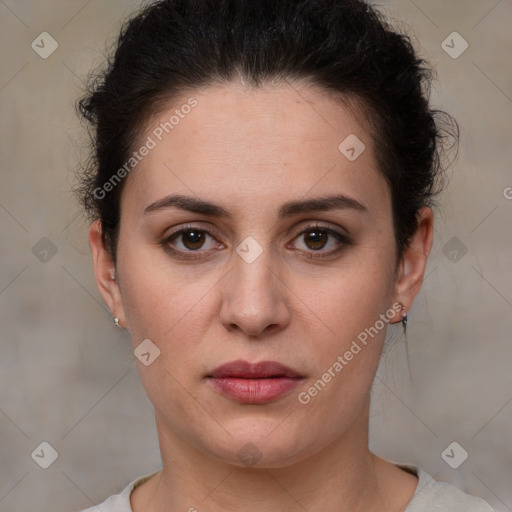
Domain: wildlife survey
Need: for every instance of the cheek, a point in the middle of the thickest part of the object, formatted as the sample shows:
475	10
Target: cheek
173	313
156	296
346	355
351	297
173	309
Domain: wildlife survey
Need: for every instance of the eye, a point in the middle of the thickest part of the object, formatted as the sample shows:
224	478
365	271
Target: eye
193	242
191	239
320	239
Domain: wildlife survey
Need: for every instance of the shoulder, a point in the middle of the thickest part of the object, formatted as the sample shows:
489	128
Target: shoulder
434	496
120	502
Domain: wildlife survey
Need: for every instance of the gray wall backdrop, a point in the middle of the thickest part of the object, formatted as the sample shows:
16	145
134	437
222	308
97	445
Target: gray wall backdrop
68	376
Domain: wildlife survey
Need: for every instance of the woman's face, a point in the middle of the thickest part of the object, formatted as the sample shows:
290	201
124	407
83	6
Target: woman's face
292	261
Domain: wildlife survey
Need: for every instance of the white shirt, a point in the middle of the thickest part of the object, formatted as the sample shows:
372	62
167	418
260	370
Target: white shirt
430	496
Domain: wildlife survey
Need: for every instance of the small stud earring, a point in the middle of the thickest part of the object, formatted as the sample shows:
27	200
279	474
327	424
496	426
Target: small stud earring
116	321
404	322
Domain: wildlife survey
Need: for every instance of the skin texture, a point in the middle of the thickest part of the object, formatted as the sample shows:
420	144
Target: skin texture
251	151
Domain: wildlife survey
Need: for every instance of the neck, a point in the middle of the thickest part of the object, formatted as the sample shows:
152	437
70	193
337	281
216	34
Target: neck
341	476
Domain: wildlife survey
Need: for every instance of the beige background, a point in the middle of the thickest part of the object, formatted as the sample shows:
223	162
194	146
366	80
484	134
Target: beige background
68	375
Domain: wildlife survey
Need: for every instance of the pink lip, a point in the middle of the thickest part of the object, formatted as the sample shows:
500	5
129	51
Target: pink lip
253	383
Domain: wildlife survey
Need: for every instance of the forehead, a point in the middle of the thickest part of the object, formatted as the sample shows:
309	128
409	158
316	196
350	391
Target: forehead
278	141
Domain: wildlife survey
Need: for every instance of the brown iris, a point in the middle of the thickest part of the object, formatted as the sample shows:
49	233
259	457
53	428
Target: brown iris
193	239
316	238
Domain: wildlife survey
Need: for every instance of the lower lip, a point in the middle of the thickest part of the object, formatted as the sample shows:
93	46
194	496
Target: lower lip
254	391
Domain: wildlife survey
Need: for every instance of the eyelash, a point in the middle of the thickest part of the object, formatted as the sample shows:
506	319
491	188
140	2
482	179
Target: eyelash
343	240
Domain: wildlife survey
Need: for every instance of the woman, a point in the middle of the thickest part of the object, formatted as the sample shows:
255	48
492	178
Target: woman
261	190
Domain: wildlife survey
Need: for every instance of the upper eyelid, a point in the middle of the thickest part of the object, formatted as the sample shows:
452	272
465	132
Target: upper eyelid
179	231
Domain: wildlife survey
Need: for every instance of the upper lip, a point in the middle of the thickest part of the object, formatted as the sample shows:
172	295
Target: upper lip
260	370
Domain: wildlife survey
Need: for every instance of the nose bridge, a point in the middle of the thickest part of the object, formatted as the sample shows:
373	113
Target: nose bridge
253	297
254	277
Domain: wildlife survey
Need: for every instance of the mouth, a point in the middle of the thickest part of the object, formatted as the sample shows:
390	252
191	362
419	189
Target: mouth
253	383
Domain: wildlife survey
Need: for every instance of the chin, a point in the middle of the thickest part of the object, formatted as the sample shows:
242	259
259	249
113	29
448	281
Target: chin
254	448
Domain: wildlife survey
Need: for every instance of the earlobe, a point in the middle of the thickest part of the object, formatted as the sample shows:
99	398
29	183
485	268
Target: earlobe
105	272
414	260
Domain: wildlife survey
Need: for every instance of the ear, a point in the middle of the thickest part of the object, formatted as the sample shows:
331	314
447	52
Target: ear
414	261
105	273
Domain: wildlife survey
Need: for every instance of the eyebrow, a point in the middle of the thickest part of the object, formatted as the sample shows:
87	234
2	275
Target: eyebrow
200	206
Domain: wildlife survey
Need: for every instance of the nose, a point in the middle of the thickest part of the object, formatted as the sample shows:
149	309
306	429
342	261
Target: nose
254	298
